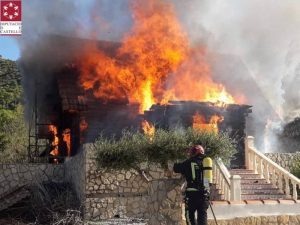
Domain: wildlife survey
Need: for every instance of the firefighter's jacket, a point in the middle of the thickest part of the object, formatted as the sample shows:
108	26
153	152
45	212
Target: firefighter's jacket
192	170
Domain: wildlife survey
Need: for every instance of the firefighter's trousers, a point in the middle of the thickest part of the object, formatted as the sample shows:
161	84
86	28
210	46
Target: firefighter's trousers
196	202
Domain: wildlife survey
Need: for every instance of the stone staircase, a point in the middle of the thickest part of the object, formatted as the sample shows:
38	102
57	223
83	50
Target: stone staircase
255	188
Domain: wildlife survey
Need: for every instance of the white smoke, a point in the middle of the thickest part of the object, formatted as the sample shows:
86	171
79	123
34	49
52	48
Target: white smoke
264	35
260	32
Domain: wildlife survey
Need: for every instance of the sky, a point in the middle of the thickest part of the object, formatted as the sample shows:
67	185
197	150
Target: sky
9	48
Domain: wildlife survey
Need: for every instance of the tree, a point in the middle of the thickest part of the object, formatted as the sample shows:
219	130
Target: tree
13	130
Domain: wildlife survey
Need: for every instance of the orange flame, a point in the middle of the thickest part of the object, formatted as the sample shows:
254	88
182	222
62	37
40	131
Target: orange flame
199	123
55	141
148	129
154	64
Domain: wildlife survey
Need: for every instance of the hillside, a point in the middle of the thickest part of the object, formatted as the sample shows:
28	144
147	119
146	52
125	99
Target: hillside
13	131
10	84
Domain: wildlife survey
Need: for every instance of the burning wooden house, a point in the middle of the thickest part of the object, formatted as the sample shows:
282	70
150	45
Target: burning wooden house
102	87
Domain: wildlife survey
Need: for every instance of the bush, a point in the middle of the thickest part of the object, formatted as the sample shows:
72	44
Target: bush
55	204
13	136
295	170
133	148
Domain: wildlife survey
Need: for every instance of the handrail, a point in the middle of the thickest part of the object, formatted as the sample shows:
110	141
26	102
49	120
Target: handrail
224	171
271	171
281	169
222	178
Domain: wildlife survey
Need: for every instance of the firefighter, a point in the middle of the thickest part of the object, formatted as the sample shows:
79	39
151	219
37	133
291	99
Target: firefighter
197	171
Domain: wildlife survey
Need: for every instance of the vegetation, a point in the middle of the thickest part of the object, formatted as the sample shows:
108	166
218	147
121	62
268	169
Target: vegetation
49	203
134	147
295	170
292	129
13	131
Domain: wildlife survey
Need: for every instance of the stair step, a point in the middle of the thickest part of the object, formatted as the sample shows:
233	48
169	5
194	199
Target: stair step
253	181
262	196
248	175
239	171
257	186
273	191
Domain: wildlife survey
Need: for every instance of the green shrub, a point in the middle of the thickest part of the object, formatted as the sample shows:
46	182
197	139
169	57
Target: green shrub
295	170
134	147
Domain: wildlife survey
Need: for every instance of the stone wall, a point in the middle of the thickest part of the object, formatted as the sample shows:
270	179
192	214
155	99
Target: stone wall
261	220
154	194
14	176
285	160
75	174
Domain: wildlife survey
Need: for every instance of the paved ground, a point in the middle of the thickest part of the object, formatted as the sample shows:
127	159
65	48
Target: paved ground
119	222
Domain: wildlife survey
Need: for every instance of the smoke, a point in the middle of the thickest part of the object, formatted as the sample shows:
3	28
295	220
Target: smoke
252	45
259	32
44	51
291	82
262	36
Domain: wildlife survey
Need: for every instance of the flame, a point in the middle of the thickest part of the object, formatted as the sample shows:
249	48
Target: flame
219	97
154	64
148	129
55	141
153	49
193	81
66	137
199	123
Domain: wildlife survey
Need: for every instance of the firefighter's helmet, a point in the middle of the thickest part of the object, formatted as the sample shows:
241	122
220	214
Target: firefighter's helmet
196	150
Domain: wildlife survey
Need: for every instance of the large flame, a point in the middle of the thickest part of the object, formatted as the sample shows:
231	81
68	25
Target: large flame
154	64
